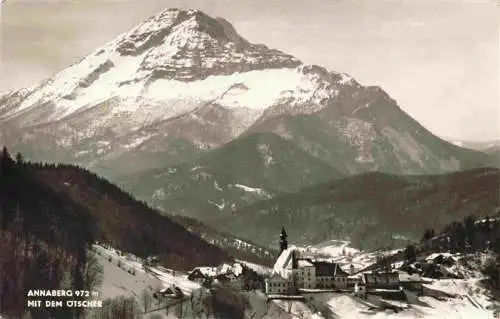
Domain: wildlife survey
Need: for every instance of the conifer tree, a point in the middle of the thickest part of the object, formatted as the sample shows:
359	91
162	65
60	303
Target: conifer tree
19	158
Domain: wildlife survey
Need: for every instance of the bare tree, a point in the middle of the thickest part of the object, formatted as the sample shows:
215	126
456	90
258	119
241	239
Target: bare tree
93	272
179	310
147	299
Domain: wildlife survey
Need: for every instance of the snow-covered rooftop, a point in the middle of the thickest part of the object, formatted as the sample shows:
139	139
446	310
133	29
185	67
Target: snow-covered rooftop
207	271
282	266
445	255
404	276
224	268
304	263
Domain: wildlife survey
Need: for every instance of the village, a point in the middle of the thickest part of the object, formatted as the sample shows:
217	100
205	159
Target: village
301	276
298	275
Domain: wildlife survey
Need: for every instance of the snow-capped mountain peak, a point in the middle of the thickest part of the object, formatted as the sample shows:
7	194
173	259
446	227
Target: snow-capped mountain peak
176	45
188	44
182	77
179	28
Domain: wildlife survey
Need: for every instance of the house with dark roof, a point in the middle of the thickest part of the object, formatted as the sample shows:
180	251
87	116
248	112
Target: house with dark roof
381	280
152	261
330	275
169	292
200	274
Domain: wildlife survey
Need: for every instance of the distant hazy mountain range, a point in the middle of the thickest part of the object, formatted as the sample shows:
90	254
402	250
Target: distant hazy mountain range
484	146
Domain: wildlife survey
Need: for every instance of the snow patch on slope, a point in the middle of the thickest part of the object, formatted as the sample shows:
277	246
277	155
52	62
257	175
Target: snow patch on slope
258	191
266	153
335	248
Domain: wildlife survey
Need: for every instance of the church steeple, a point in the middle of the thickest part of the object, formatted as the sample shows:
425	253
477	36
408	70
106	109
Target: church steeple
283	239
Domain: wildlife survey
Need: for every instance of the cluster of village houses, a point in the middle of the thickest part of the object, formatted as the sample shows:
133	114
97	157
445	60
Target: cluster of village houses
294	274
225	274
208	277
297	273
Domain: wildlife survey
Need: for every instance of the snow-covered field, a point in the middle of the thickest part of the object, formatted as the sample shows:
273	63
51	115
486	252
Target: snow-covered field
471	299
468	289
341	252
344	306
118	281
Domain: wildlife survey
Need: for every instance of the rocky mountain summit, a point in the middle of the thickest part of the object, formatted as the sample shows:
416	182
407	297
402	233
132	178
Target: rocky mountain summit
182	83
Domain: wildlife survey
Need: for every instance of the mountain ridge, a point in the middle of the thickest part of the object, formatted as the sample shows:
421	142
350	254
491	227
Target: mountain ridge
243	171
182	80
371	209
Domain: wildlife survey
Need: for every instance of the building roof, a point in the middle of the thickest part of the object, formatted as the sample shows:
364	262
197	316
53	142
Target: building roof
205	271
444	255
304	263
237	269
377	277
404	276
283	263
224	268
152	260
173	289
284	259
166	290
324	268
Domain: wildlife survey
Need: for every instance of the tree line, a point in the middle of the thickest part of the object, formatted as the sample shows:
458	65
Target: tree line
472	234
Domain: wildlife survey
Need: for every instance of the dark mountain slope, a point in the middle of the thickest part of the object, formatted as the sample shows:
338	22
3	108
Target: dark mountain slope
43	241
117	218
244	171
237	247
373	209
128	224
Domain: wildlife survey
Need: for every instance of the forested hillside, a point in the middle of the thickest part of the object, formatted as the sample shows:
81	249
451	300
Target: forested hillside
372	209
50	214
44	237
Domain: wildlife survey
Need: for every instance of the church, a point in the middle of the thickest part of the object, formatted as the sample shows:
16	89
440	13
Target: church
291	272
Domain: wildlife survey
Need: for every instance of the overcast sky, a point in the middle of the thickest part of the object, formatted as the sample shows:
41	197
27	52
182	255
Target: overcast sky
438	59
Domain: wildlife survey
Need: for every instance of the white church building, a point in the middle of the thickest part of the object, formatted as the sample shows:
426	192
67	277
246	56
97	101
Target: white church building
291	272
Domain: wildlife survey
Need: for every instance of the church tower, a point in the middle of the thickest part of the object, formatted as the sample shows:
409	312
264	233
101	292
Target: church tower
283	240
